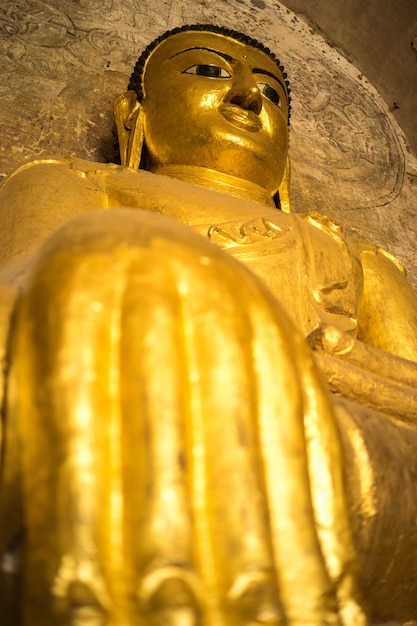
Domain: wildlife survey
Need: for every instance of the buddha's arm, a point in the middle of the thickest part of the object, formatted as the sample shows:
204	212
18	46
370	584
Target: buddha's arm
380	368
34	201
230	364
9	508
388	311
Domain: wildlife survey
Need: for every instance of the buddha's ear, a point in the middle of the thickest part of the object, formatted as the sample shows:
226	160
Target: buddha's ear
129	124
284	188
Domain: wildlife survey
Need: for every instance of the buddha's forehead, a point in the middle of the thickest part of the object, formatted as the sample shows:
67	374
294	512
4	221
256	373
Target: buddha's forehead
195	43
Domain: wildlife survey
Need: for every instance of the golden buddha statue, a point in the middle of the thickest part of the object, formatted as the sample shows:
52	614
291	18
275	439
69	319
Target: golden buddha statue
170	446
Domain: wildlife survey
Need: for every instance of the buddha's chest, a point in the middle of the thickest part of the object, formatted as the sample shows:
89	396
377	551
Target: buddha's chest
306	264
304	260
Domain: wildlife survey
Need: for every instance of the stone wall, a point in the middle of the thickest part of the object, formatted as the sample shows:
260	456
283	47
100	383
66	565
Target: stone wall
380	36
63	61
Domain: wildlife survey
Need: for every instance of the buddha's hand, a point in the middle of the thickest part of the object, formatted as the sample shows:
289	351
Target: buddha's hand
365	374
180	459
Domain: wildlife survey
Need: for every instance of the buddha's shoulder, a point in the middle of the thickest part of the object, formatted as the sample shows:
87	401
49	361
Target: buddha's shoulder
365	251
74	182
52	172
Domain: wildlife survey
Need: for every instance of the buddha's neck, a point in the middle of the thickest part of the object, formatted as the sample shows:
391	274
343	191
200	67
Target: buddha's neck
216	181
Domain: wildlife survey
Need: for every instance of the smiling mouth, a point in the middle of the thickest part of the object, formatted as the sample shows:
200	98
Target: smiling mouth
241	118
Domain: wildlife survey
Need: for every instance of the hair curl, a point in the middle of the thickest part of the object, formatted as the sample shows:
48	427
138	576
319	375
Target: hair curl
136	78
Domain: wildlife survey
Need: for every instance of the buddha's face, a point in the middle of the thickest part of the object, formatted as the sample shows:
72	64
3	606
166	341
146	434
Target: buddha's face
213	102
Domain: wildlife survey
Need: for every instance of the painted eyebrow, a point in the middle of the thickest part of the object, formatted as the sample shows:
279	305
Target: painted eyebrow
224	56
259	70
229	59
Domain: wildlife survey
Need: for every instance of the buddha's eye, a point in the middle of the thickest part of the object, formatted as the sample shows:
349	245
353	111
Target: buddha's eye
212	71
270	93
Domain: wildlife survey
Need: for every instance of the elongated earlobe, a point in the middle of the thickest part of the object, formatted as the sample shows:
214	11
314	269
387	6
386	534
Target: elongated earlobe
284	189
129	124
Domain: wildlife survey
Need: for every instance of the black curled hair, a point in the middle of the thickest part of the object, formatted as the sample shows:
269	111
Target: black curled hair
136	78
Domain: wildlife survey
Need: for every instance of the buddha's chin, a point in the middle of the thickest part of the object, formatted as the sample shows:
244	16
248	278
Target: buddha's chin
227	150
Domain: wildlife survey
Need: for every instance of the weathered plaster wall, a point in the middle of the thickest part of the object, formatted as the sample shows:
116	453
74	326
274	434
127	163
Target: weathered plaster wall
62	62
380	37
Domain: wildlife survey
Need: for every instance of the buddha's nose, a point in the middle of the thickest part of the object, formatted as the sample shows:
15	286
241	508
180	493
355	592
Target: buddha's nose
244	92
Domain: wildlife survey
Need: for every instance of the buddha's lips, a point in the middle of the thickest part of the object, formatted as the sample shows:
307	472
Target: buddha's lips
242	118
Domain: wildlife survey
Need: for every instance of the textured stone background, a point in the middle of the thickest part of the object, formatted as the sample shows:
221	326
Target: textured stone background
62	62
